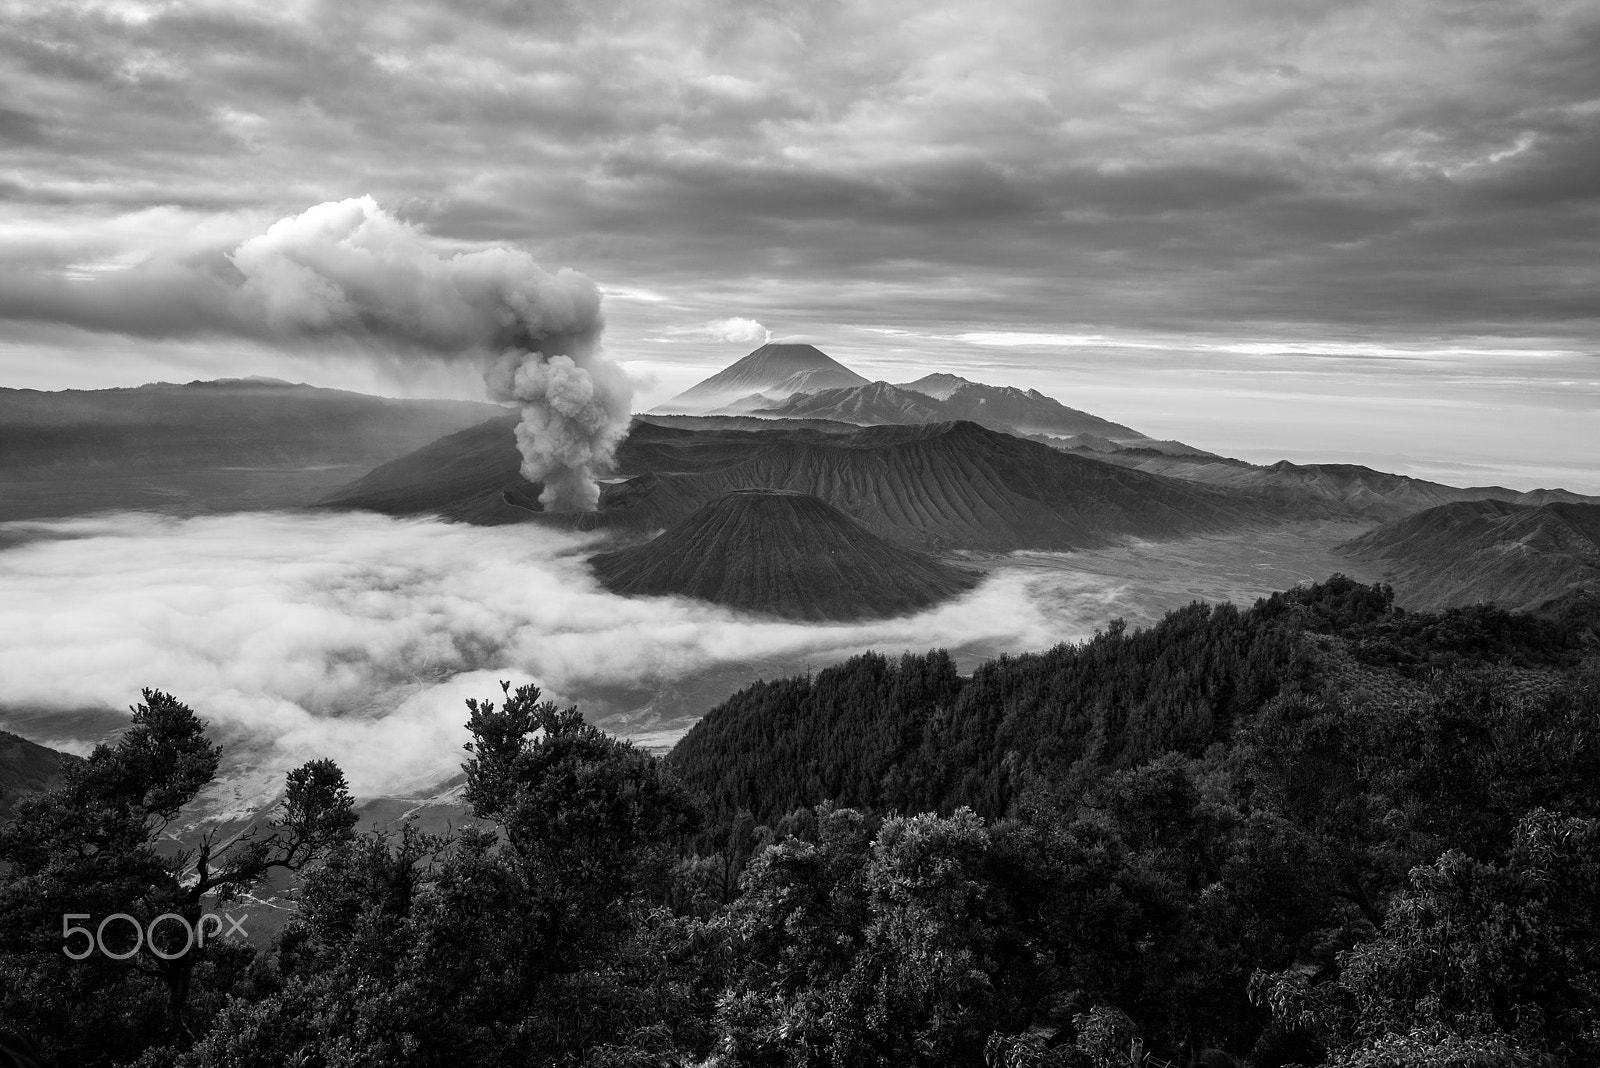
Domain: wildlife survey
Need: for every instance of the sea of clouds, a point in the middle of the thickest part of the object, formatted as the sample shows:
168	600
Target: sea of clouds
358	637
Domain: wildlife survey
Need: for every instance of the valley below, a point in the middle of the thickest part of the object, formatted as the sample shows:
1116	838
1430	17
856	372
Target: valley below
184	492
1153	578
395	718
1081	591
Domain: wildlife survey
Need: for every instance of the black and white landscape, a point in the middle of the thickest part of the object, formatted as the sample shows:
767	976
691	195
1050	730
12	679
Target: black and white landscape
846	534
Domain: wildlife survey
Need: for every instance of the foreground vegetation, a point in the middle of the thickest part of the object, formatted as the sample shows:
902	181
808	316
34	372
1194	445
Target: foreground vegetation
1315	831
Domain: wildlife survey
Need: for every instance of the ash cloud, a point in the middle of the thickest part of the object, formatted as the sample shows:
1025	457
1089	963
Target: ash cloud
350	275
357	636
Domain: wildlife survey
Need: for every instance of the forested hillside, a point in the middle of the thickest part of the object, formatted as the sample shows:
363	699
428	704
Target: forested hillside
1314	831
912	734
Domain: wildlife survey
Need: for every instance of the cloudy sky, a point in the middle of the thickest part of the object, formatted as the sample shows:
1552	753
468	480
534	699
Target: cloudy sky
1346	230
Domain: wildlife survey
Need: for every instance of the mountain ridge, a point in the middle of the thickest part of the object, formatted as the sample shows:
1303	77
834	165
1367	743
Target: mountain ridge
202	446
869	405
1515	555
1361	490
948	399
28	768
931	486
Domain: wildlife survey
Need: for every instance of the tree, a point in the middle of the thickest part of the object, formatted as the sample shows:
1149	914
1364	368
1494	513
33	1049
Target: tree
91	848
864	950
533	939
1478	963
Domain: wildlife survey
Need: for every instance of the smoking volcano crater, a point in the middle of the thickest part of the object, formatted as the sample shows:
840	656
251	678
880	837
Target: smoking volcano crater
936	488
784	553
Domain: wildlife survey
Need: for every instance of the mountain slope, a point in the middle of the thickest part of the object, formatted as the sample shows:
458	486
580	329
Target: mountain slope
227	422
1351	488
1009	408
1470	551
776	369
27	768
873	404
911	734
230	444
1027	411
949	486
1137	446
784	553
750	403
948	398
936	486
938	386
473	475
814	378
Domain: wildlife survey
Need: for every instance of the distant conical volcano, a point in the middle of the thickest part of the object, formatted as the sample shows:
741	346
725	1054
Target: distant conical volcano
776	369
784	553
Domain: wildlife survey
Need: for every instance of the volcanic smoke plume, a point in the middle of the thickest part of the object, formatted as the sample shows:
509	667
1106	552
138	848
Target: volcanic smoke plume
351	268
350	271
574	414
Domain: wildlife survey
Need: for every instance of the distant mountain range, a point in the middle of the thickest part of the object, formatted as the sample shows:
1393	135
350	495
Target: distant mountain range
939	386
873	404
1516	555
1354	490
793	381
473	476
774	370
227	422
1024	411
1005	408
1134	446
232	443
788	554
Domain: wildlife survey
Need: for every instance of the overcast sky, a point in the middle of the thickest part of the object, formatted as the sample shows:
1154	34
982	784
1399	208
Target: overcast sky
1269	227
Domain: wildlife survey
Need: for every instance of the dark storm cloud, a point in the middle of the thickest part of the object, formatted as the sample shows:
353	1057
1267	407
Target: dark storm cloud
1143	163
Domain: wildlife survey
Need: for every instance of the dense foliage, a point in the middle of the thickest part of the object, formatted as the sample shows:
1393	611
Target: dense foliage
1314	831
913	735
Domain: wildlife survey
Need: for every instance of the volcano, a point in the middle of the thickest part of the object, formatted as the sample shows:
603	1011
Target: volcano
934	487
785	553
945	486
777	370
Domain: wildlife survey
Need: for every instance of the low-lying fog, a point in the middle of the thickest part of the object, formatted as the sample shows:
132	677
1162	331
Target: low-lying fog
358	636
